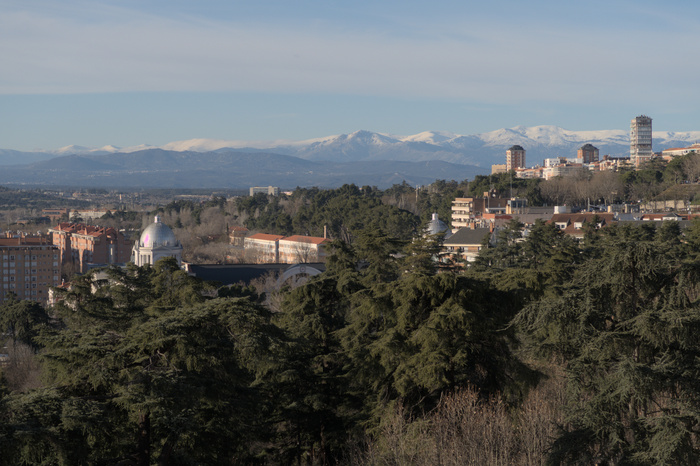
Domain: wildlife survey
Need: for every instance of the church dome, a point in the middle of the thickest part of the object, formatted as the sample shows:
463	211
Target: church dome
158	234
436	226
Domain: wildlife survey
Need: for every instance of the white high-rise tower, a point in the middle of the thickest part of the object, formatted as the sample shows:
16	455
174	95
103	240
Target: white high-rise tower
640	140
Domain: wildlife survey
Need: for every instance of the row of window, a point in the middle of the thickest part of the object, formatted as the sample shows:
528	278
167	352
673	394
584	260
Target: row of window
28	271
12	279
26	264
20	257
12	286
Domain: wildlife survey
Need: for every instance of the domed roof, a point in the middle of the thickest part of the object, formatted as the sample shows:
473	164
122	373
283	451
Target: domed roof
436	226
158	234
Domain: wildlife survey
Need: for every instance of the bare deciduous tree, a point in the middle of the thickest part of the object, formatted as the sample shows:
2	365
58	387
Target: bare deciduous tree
21	370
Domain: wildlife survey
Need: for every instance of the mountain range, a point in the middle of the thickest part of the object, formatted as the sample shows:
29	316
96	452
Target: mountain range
362	157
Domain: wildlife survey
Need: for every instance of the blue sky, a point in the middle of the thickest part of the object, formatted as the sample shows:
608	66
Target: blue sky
129	72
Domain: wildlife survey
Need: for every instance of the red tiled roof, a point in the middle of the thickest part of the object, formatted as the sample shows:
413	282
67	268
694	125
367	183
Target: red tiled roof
306	239
266	237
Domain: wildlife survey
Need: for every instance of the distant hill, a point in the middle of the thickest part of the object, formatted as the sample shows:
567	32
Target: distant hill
362	157
158	168
481	150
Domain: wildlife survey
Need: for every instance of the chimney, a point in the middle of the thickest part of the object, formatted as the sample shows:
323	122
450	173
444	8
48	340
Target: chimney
325	231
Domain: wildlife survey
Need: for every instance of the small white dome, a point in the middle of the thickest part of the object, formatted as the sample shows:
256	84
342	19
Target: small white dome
436	226
158	234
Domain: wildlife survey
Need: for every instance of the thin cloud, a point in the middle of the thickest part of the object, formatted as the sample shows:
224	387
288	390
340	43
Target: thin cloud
128	51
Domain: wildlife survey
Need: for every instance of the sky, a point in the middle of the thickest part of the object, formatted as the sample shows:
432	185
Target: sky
131	72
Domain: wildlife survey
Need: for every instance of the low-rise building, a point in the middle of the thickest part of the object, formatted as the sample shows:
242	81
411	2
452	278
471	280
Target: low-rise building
466	209
465	244
573	224
269	190
680	151
299	249
262	248
498	168
91	214
236	236
55	215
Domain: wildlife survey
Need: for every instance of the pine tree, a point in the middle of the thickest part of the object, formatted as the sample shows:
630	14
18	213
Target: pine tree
627	325
163	376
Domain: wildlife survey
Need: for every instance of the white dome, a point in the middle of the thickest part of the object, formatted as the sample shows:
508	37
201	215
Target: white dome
436	226
158	234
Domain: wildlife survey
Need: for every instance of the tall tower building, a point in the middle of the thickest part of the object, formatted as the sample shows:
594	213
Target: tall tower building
515	158
588	153
640	140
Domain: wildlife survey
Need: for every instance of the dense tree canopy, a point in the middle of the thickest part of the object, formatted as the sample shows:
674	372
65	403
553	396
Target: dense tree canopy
146	365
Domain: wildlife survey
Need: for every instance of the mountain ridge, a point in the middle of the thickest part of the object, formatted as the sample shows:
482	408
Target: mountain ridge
481	149
160	168
362	157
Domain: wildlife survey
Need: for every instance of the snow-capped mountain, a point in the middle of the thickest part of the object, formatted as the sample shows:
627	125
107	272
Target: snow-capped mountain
482	150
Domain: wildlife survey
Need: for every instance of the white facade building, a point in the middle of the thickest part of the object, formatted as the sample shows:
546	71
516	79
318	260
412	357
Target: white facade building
157	241
640	140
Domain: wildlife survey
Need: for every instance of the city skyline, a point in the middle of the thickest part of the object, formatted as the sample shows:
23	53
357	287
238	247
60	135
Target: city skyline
129	73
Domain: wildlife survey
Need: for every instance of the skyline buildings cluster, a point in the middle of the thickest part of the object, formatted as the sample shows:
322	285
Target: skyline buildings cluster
641	152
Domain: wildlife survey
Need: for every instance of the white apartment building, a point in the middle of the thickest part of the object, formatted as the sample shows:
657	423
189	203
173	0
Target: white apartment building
640	140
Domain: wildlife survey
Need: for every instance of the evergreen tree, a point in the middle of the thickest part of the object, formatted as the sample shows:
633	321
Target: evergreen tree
627	326
162	376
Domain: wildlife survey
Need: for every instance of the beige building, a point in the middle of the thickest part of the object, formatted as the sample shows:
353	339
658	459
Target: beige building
299	249
680	151
269	190
466	209
497	169
29	267
262	248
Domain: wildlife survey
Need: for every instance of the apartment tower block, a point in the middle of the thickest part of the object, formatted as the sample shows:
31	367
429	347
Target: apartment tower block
640	140
515	158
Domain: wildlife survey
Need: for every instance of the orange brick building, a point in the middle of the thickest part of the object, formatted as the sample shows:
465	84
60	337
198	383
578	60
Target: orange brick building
82	244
